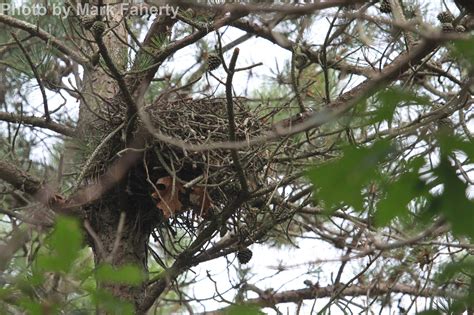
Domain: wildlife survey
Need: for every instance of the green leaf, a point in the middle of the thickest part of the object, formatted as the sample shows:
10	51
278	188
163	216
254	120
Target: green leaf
453	204
32	307
391	97
111	304
65	243
449	144
127	274
243	310
38	308
431	312
453	269
463	49
399	193
343	180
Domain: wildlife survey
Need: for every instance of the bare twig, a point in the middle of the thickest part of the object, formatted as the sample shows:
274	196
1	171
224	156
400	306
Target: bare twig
231	116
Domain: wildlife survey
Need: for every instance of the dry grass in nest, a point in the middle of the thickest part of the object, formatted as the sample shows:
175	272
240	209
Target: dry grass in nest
199	122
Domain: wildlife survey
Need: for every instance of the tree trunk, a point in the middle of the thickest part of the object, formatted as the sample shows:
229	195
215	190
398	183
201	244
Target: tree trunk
120	243
114	240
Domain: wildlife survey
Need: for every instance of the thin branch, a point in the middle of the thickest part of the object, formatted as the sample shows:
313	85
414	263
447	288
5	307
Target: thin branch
282	8
17	240
231	116
355	290
38	122
131	106
19	179
45	36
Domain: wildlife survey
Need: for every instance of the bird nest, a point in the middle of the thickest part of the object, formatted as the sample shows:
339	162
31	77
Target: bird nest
210	175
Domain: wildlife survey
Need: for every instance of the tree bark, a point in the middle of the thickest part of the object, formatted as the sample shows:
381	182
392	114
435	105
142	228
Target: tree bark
113	241
120	243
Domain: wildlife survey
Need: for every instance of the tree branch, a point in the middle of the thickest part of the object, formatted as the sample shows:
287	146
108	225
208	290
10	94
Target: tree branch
281	8
374	290
45	36
33	186
38	122
19	178
230	114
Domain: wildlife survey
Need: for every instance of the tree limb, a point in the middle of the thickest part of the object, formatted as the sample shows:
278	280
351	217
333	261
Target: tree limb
38	122
45	36
373	290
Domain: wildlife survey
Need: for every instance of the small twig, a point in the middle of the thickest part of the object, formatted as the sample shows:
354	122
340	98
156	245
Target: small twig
193	182
131	106
346	285
99	247
231	116
249	67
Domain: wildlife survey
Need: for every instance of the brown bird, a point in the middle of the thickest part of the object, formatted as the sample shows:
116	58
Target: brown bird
467	5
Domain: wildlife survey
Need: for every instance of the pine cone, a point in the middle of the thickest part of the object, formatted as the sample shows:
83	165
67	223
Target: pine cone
301	61
446	125
213	62
447	27
87	21
385	7
244	255
460	28
445	17
98	28
223	230
410	13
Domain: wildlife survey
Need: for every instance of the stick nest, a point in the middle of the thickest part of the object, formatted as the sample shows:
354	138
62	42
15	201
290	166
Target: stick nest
200	122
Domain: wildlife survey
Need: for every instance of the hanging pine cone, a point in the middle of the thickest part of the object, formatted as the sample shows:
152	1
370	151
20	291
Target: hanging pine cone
385	7
213	62
460	28
87	21
447	27
223	230
98	28
244	255
446	126
410	13
301	61
445	17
